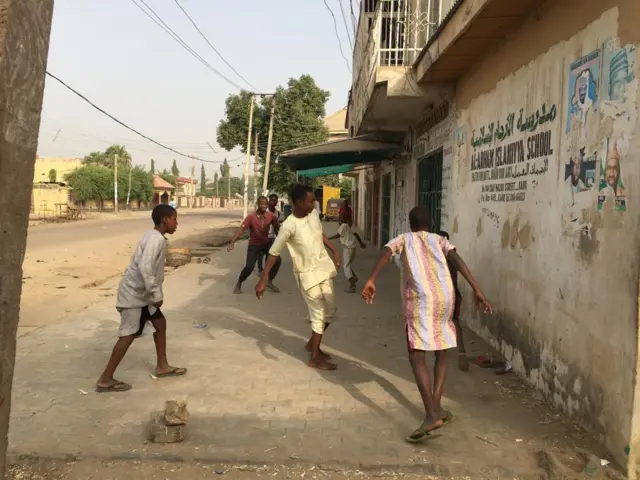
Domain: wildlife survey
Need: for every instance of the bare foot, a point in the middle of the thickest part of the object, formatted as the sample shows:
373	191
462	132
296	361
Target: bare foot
323	354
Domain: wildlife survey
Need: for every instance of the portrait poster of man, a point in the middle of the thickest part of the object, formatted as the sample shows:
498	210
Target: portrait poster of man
611	187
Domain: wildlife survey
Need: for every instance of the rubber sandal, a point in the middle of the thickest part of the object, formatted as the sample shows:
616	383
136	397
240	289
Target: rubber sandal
419	434
176	372
115	388
449	417
324	366
273	288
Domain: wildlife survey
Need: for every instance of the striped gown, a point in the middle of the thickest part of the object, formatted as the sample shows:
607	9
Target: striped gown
428	295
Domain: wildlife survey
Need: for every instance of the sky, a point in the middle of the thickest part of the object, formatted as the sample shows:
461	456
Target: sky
112	53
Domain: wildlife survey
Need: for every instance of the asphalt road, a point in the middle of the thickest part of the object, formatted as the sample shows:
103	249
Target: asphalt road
48	236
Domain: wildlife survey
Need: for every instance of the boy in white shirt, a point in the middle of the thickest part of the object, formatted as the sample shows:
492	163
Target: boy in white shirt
348	241
302	233
139	300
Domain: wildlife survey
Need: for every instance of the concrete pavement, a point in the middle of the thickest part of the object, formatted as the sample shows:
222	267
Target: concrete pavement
253	399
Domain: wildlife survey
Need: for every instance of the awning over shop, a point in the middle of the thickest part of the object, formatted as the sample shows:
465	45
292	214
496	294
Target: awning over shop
322	171
340	153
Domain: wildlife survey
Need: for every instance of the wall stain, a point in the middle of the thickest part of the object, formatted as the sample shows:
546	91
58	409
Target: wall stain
455	225
506	229
513	234
479	227
524	235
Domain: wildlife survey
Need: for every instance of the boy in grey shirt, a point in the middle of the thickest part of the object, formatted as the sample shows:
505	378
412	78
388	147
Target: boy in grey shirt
139	300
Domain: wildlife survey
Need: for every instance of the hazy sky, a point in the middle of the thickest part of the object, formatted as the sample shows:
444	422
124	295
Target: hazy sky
115	55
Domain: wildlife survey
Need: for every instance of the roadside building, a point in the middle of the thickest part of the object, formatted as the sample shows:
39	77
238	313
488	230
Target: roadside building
186	189
163	191
515	123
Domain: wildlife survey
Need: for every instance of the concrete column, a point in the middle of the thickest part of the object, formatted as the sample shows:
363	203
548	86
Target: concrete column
25	26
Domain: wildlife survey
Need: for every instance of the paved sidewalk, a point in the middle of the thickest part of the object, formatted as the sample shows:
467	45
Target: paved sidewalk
253	399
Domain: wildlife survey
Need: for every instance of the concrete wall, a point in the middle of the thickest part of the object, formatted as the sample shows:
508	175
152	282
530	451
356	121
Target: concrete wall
62	166
559	264
45	197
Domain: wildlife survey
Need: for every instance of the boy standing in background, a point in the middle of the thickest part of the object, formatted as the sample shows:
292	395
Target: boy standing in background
348	241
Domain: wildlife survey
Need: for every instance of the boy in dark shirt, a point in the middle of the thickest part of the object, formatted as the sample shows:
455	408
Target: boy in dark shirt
463	360
258	224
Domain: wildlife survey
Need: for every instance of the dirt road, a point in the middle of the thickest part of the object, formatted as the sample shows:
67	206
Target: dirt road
68	267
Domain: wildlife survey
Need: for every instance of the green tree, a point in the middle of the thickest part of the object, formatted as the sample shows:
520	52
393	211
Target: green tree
203	179
215	183
53	175
167	176
225	173
300	109
152	170
95	182
174	169
105	158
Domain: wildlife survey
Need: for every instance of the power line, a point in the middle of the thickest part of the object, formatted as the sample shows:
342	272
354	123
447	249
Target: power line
214	48
124	124
353	20
335	25
346	24
169	31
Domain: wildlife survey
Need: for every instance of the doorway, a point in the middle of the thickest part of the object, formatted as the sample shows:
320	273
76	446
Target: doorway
430	186
375	221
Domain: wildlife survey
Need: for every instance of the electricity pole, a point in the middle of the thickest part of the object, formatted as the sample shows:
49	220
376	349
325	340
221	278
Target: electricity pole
265	177
246	167
129	188
115	183
255	167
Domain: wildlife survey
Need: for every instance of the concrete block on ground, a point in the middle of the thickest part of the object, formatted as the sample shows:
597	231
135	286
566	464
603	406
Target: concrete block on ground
175	412
160	432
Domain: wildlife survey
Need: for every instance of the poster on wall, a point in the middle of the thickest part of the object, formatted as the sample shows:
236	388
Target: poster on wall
618	65
583	89
611	187
579	179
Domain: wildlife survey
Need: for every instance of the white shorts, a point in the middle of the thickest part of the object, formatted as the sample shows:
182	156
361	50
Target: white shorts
134	320
322	305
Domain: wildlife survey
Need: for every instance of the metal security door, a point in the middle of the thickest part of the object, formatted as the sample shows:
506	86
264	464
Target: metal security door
430	187
386	209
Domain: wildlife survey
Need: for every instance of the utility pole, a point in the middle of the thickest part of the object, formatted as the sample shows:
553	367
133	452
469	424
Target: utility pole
255	167
115	183
265	178
246	167
24	35
229	186
129	187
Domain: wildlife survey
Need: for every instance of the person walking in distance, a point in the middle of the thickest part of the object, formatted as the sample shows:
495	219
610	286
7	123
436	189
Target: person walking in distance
428	298
273	204
348	241
258	224
314	271
140	297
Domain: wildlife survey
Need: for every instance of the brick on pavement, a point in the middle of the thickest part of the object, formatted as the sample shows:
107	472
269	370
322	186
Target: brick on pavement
251	396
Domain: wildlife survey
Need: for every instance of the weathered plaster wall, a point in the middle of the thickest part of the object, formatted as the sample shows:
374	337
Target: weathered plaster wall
24	43
556	253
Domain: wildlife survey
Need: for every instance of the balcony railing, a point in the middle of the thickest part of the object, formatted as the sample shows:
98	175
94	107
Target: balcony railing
391	33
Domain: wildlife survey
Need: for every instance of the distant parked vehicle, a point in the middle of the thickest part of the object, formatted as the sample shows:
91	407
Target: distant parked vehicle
333	209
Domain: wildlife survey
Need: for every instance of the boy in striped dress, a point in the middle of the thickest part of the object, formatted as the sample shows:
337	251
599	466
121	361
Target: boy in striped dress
428	298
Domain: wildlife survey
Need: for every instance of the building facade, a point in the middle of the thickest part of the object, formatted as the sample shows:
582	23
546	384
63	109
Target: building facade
517	126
